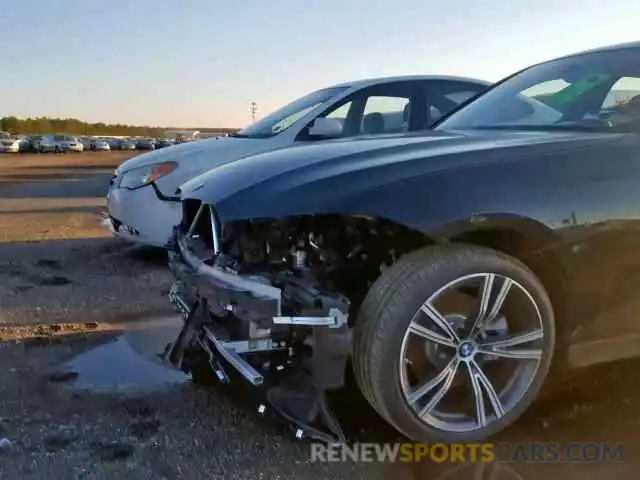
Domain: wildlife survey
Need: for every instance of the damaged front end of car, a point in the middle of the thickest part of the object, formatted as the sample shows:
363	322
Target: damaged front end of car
260	301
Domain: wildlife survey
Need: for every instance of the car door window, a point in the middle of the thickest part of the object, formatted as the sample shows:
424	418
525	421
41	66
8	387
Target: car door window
444	97
457	99
383	109
340	113
622	92
621	106
385	114
379	109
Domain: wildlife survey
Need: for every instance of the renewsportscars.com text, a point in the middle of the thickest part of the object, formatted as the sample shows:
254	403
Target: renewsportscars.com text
533	452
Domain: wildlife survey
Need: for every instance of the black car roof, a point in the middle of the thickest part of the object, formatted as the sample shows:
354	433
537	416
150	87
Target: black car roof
607	48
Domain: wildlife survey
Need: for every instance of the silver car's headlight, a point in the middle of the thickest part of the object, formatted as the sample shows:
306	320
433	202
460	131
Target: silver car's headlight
142	176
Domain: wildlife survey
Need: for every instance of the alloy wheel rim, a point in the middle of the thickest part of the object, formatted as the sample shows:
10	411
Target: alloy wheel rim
466	348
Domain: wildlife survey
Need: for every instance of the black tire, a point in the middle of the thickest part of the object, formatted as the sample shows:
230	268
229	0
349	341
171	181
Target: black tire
387	311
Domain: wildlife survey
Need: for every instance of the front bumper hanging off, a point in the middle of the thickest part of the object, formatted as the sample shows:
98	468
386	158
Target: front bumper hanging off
237	322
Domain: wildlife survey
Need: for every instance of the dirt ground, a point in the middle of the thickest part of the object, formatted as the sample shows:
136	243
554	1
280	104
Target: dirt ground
83	394
57	263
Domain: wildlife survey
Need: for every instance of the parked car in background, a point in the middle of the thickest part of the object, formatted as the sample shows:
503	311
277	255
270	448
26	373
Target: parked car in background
146	144
100	145
9	144
34	142
142	195
55	143
69	144
458	270
47	144
127	144
165	142
114	143
86	143
24	143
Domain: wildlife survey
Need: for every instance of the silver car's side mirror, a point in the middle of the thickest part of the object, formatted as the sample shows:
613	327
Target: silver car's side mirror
325	128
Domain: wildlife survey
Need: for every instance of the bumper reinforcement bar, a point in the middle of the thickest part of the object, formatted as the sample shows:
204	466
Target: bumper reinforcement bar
243	367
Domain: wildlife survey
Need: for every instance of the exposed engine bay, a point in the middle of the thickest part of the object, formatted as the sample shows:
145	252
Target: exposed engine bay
274	301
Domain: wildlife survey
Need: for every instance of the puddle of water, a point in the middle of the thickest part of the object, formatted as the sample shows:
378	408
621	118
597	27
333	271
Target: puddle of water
129	362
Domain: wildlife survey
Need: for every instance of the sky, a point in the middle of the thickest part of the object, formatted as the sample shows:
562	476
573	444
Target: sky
200	63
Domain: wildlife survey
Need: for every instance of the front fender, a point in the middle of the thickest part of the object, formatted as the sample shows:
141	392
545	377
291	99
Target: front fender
437	203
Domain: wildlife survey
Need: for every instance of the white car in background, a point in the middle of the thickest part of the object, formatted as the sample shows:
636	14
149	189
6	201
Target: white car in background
70	144
10	145
56	144
142	202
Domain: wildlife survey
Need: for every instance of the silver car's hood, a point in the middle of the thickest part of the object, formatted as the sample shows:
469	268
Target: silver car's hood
178	153
194	158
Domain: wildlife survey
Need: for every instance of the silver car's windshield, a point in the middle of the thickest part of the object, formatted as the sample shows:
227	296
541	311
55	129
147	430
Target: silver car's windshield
590	91
284	117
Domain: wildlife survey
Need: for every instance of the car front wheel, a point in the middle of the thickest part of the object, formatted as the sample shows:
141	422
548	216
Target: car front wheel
453	342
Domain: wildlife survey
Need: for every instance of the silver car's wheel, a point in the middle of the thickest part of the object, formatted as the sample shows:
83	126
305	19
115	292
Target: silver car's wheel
453	343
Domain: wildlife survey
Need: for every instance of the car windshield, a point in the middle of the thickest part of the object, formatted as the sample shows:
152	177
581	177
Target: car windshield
286	116
590	91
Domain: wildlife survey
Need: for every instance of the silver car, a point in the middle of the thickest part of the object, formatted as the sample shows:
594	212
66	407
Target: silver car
100	145
142	196
127	144
69	144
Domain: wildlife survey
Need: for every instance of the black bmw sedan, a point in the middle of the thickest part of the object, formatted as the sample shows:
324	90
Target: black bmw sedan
457	270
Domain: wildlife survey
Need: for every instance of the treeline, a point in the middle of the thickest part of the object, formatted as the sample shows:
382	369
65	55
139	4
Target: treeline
73	126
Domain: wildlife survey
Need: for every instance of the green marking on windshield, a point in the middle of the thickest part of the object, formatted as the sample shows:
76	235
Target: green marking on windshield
577	89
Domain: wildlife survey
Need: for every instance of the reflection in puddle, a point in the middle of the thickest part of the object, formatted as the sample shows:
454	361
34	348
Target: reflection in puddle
131	361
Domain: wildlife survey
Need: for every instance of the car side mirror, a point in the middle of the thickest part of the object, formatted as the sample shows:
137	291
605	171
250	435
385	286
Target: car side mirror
325	128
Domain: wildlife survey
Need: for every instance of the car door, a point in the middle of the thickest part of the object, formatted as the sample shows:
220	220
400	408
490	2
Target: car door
444	96
621	269
596	206
386	108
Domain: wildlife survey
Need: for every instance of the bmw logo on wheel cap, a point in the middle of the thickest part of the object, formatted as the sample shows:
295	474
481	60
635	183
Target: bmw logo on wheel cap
466	349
